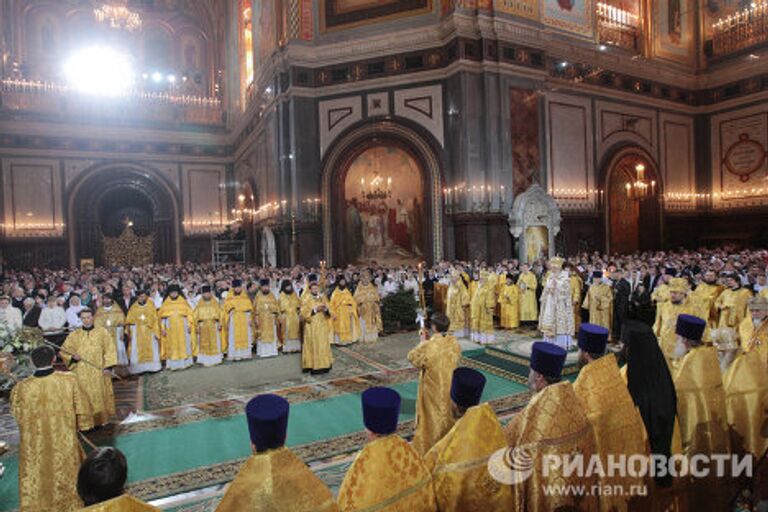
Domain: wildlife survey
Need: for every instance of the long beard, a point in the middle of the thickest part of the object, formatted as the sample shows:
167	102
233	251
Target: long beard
680	350
757	322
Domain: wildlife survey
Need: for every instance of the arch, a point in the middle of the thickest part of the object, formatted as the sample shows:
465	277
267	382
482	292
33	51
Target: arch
85	195
351	144
624	219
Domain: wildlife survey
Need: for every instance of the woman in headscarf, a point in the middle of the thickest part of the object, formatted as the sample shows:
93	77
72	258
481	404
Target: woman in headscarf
651	387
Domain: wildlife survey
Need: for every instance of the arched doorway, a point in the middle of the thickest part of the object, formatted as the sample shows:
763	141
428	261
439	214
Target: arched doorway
382	183
104	200
633	189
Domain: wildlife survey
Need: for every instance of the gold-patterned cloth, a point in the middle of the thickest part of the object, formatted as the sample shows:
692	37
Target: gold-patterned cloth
387	475
178	320
97	346
701	403
509	300
751	338
147	328
318	333
529	308
436	360
111	319
289	305
746	402
49	411
705	295
553	423
128	250
599	302
459	464
733	307
576	286
666	322
661	294
482	307
439	297
265	312
237	318
456	304
346	323
619	428
368	305
208	320
276	480
124	503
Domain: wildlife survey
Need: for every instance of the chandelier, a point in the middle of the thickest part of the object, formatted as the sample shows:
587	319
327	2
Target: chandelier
376	188
117	15
640	188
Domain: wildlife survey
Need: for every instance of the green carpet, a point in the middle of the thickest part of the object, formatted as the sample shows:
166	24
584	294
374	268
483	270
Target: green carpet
161	452
512	366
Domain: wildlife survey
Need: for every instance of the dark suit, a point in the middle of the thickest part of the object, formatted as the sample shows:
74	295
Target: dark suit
31	317
122	303
621	293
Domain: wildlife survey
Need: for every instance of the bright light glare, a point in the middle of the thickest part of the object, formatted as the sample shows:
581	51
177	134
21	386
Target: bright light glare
157	76
100	70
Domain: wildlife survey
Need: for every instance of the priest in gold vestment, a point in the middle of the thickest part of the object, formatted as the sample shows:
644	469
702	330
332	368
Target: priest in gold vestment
95	345
436	358
599	301
346	323
49	407
529	308
667	312
661	294
316	355
700	394
459	461
369	306
553	423
732	302
289	305
144	331
482	306
619	429
273	478
237	323
509	302
112	319
746	402
208	320
705	295
265	318
387	475
576	285
457	306
753	330
177	330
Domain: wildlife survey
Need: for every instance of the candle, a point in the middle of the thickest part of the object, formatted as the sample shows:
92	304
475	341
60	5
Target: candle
629	190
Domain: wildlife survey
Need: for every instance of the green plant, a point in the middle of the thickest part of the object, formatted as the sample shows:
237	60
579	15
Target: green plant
399	310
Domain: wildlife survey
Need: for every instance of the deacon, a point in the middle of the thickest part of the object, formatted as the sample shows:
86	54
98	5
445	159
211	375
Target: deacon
753	330
112	319
237	322
619	430
576	285
387	474
553	423
177	330
316	356
274	478
509	304
457	305
101	483
436	358
369	307
527	283
49	408
208	322
144	332
677	303
265	312
599	301
459	461
699	385
346	323
555	319
482	307
95	345
289	306
705	294
732	302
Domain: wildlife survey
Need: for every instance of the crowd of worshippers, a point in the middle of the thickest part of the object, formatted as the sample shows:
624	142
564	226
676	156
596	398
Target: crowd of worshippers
461	457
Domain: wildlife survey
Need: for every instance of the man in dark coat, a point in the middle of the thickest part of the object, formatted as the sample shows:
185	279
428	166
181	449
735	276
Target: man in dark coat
621	293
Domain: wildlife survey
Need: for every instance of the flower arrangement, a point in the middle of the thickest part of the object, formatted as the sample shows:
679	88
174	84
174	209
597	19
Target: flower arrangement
15	346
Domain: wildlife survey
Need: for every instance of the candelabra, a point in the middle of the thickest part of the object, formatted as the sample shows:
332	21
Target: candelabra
747	27
483	198
616	26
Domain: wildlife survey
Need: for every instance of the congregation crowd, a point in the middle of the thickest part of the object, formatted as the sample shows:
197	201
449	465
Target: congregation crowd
690	377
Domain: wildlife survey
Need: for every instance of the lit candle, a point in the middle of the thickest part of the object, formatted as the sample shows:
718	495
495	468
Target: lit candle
629	190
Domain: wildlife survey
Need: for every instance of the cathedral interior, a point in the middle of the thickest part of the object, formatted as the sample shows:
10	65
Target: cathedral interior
643	122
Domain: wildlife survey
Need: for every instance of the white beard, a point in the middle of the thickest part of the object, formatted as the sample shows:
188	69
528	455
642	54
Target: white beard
757	322
680	350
